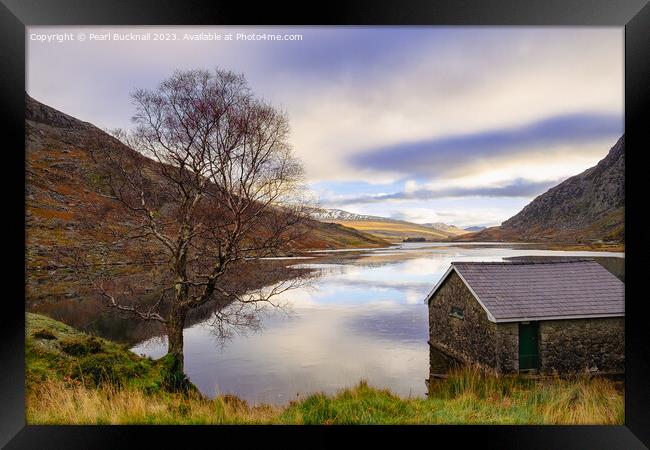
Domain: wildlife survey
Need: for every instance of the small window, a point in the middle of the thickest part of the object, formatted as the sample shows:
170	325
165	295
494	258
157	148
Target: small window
457	312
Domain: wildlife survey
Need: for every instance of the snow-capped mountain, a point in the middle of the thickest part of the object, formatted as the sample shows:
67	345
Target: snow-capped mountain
339	214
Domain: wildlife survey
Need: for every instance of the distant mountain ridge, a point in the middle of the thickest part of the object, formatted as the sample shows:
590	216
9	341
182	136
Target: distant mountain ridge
338	214
394	230
588	207
445	227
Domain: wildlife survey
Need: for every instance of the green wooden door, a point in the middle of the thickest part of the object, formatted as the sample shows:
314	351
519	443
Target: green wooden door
528	346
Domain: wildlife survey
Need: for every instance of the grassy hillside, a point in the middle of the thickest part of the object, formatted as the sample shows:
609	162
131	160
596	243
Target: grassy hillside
334	235
57	353
396	231
73	378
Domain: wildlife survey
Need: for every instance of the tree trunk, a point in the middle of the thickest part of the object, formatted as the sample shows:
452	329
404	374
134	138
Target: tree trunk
175	326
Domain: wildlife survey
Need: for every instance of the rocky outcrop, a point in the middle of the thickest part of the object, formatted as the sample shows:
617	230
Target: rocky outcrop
37	112
588	207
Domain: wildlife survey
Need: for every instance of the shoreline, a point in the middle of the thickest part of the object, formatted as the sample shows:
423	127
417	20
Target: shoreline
613	248
75	378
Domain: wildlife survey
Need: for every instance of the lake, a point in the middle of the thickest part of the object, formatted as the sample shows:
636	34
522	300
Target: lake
363	317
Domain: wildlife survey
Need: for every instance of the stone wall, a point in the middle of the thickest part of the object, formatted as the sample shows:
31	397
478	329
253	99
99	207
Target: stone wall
473	339
575	345
508	347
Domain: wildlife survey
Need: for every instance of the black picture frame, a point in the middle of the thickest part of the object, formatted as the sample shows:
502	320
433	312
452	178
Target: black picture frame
634	15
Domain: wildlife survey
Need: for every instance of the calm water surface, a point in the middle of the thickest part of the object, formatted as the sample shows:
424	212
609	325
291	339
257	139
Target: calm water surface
362	318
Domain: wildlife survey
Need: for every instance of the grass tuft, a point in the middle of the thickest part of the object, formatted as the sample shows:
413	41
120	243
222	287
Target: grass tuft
81	347
44	334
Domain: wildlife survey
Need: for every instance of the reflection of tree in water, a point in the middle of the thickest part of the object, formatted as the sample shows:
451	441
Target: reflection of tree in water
89	313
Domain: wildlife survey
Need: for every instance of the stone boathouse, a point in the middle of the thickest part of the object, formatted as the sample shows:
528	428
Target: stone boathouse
546	317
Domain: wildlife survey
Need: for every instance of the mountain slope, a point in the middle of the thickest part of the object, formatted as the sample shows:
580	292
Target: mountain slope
67	211
588	207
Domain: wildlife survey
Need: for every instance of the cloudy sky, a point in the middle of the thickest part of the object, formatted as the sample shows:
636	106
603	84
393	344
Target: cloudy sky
463	125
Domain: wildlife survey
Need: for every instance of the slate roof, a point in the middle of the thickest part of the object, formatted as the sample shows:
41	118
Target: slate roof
515	291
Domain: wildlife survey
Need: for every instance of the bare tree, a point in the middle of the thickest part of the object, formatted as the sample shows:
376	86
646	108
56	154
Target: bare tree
213	185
